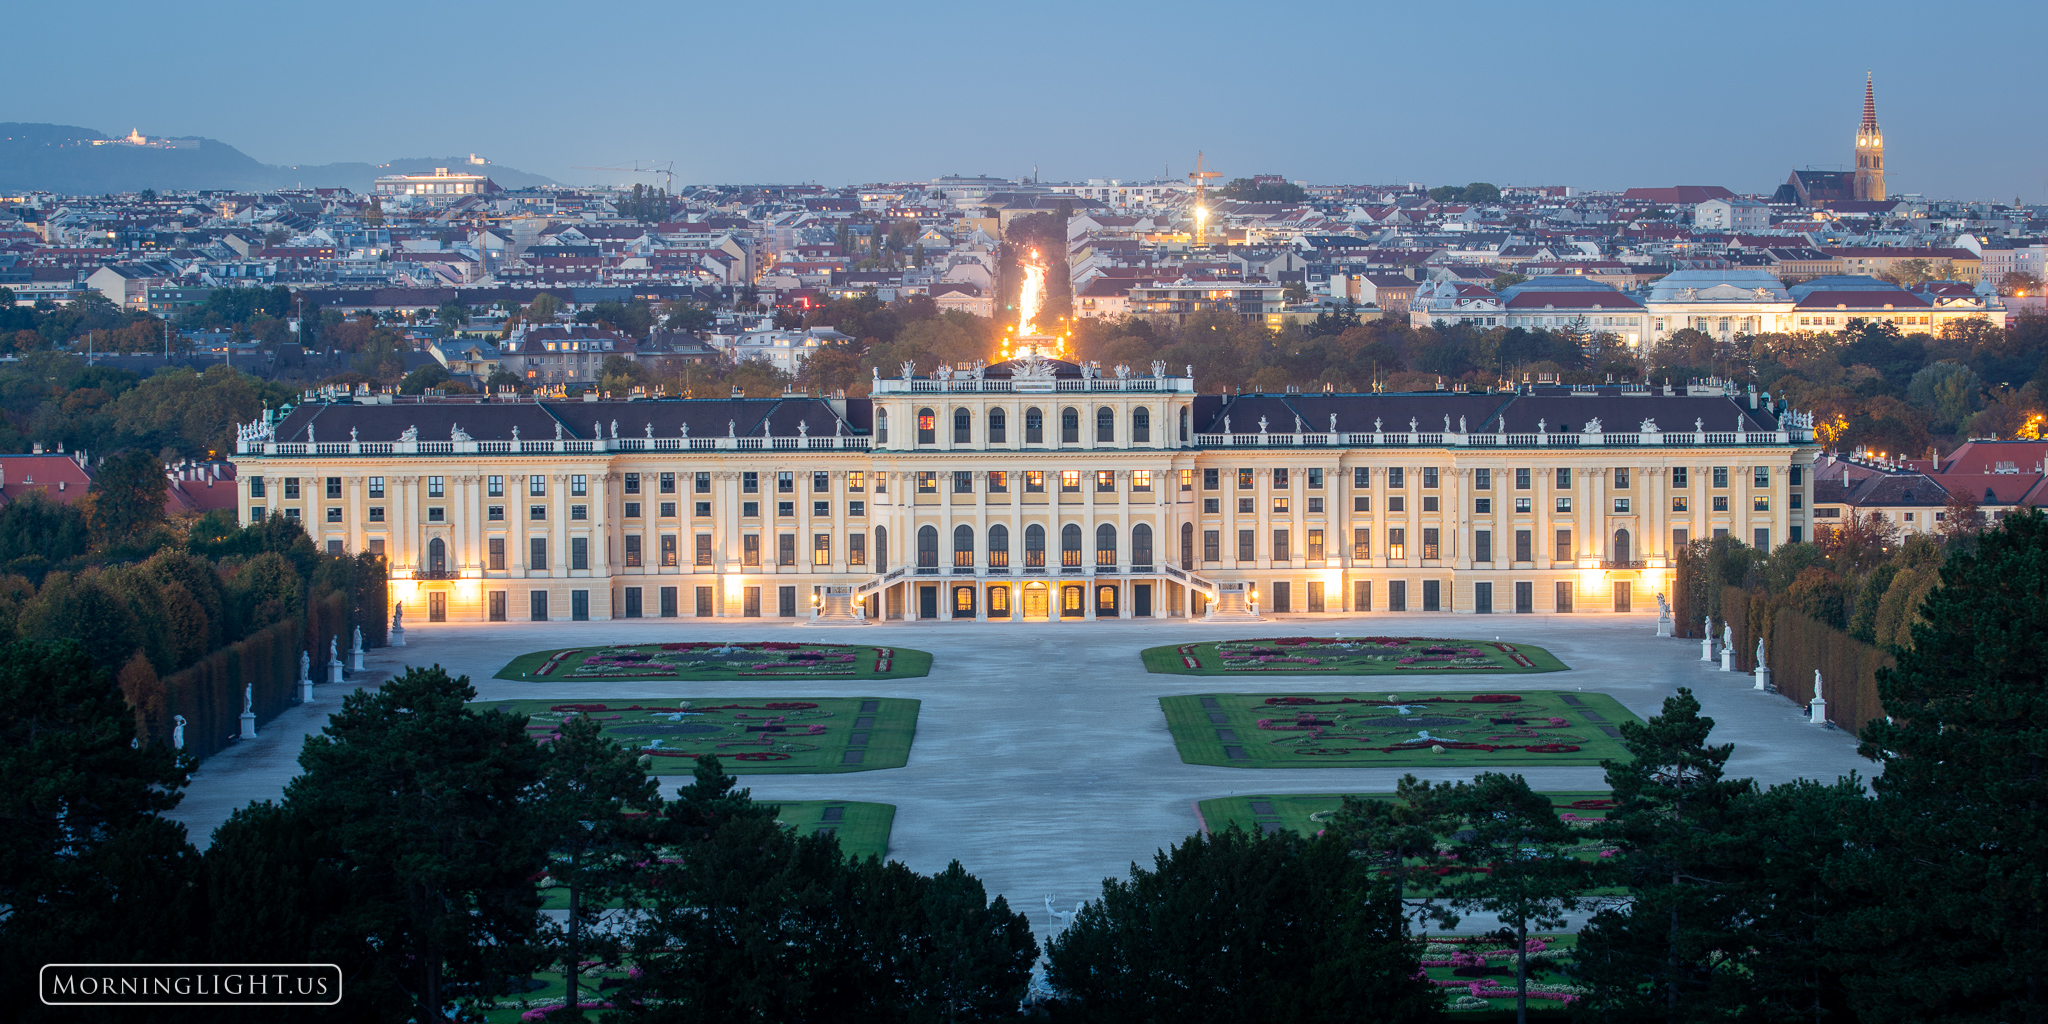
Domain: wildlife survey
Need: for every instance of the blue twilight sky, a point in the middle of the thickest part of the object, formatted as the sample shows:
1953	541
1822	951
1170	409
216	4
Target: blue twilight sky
1592	94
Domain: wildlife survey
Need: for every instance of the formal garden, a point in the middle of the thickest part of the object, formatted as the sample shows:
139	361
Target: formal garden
1350	656
1310	813
1392	730
713	660
813	735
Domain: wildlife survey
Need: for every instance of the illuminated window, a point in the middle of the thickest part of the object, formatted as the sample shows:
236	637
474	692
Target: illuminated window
1034	481
1141	479
1105	481
1070	481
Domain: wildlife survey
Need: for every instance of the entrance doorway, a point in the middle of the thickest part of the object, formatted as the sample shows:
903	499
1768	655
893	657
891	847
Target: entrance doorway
927	602
999	601
1071	597
1623	595
1141	600
437	607
1106	599
963	602
1034	600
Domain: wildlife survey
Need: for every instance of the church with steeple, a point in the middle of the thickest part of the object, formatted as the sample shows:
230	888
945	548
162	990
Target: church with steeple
1811	187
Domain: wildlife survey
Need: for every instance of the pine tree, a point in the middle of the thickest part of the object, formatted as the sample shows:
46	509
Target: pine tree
591	784
1519	864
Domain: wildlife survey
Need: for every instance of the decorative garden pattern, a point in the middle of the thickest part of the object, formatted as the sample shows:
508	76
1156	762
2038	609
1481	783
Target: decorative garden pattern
1309	813
750	736
713	660
1242	730
1350	656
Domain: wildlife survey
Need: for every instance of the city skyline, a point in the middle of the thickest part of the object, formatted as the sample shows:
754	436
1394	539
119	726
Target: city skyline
1081	93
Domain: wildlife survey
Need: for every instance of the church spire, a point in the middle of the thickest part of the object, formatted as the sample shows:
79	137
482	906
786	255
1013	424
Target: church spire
1869	103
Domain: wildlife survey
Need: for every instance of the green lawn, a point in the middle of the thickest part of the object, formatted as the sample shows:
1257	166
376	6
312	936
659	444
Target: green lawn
1391	730
784	736
1350	656
704	660
1309	813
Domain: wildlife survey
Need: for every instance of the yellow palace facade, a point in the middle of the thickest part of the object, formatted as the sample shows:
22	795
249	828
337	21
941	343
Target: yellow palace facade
1033	490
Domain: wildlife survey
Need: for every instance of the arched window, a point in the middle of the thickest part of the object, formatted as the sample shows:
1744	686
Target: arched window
881	549
1105	545
998	548
1070	545
1034	427
882	426
963	427
1070	426
1034	546
963	545
927	427
437	556
1187	545
1141	544
1141	426
927	547
1621	545
1183	438
1105	425
997	427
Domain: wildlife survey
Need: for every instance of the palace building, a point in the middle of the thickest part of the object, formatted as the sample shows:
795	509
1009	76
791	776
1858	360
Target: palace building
1033	490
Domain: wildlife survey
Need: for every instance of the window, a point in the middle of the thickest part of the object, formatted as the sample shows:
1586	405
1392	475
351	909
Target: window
1428	476
999	546
1482	506
750	482
536	513
1397	503
750	548
785	510
882	426
1070	545
334	487
494	486
1280	506
435	514
1212	506
496	513
821	509
668	509
1105	545
579	512
1620	479
579	485
928	547
1070	481
1187	479
376	513
963	427
998	425
1212	479
1621	504
1244	479
703	483
1397	542
1283	596
1315	479
1034	481
1432	595
1720	503
1429	503
821	483
1564	479
703	552
1141	480
633	607
1763	504
856	548
1244	506
1482	545
1720	476
1678	503
1397	477
1361	477
1523	543
785	549
1280	479
1762	477
433	487
1315	545
334	513
963	481
998	482
963	546
927	427
1244	546
1679	476
1361	543
1797	474
927	482
495	552
579	552
785	482
1482	479
291	488
1141	426
1315	505
632	510
1105	481
1212	545
1564	546
536	485
537	553
1105	425
821	549
1564	504
1763	539
1282	551
1521	479
632	551
632	483
1522	504
537	605
1070	426
1361	503
1034	546
1797	503
1034	427
256	487
1430	547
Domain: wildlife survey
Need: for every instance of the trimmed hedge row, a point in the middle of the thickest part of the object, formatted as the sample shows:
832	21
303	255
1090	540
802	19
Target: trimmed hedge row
209	693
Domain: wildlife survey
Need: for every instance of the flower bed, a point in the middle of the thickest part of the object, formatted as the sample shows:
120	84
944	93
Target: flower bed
706	660
825	734
1368	655
1483	729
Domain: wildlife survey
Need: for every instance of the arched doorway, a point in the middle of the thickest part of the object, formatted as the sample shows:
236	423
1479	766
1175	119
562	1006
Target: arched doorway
1106	599
999	600
437	556
1034	600
1621	546
963	602
927	547
1072	597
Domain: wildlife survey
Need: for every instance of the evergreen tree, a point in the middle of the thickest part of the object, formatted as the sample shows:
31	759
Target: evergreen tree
590	784
1519	864
1960	838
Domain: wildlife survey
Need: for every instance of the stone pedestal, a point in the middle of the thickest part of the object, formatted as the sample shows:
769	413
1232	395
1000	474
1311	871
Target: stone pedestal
1707	649
1817	712
1663	625
334	670
397	636
1728	659
1763	677
248	725
355	660
305	691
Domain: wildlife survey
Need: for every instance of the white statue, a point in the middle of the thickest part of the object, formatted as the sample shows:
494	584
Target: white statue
1727	635
1376	424
1411	424
351	435
732	428
1447	423
1191	371
650	431
686	429
410	434
1297	423
456	433
398	615
909	369
1158	368
803	428
515	433
1699	426
837	426
178	732
305	665
1817	699
1593	425
597	429
1540	427
1759	650
249	695
1649	426
309	433
558	430
333	649
1662	607
1226	424
1461	424
358	647
1262	424
1333	423
615	429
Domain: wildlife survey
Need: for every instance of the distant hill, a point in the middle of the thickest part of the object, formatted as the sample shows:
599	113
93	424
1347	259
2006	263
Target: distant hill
62	158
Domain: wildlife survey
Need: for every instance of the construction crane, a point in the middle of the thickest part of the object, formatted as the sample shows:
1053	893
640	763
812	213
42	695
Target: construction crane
1200	177
666	169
